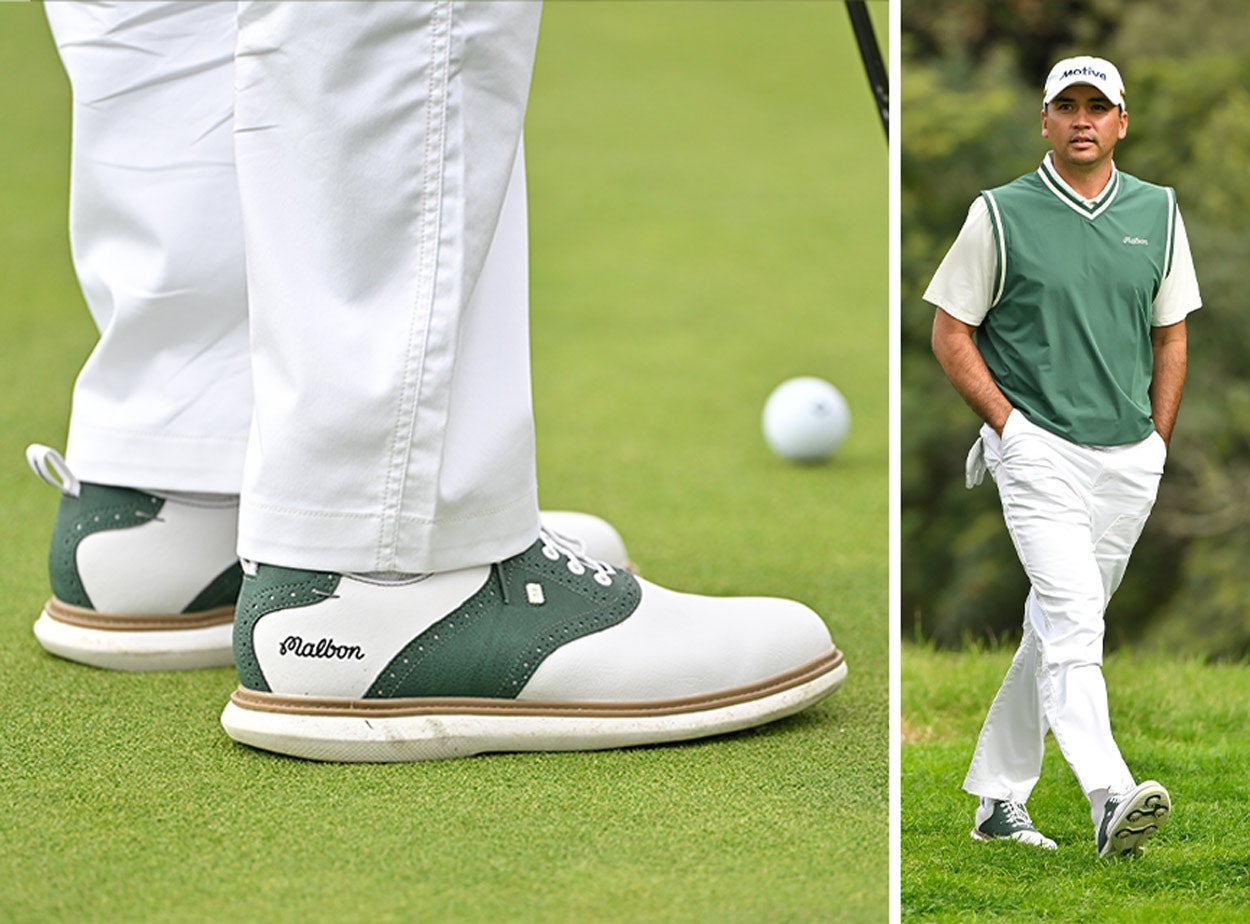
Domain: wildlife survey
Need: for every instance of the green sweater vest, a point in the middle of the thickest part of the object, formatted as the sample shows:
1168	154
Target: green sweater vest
1067	338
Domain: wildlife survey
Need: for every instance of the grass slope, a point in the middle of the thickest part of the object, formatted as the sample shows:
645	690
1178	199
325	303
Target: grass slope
708	199
1179	722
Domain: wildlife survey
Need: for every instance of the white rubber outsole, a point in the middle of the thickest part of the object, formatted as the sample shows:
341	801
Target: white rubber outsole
500	726
1041	841
149	650
1136	819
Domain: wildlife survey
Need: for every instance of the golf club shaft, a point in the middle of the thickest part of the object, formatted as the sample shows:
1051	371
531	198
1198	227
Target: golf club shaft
870	52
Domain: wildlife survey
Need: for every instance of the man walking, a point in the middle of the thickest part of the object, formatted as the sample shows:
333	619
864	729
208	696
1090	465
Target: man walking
1061	321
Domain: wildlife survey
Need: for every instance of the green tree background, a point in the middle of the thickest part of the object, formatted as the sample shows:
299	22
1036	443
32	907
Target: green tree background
971	97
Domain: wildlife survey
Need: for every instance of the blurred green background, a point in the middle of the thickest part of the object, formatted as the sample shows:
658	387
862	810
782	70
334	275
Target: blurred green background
708	196
971	98
970	111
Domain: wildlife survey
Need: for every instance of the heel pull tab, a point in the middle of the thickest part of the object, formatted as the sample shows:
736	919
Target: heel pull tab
50	465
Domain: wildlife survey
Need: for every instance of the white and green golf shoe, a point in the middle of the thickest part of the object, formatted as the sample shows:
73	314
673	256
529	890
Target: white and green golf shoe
548	650
140	581
1002	819
1129	818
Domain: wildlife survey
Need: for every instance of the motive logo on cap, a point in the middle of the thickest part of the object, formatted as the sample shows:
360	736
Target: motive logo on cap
1086	70
1096	72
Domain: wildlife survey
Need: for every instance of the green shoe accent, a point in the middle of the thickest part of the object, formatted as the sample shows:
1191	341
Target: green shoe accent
1010	821
1008	818
272	589
493	642
222	591
96	508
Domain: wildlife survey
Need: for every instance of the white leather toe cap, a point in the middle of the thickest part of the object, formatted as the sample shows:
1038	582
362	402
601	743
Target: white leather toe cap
679	645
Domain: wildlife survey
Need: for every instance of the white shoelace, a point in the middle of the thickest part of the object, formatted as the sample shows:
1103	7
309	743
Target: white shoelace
50	465
1017	814
556	545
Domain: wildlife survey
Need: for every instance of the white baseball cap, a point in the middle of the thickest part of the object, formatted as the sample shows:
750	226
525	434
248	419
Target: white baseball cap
1096	72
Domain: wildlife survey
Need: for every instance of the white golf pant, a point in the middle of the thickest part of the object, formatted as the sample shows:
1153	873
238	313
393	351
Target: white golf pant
1074	514
301	231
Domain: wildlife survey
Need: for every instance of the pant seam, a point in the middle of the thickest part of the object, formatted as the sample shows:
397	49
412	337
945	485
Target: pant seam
427	264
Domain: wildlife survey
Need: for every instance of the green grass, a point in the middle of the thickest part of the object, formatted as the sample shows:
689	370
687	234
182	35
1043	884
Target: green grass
1180	722
708	209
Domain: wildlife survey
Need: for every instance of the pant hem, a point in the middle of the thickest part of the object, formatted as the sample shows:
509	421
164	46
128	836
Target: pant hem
344	541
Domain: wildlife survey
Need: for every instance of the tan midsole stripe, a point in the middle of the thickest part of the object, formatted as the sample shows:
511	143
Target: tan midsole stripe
156	622
396	708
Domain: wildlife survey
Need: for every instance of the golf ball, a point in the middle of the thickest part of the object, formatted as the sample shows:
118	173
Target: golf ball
806	419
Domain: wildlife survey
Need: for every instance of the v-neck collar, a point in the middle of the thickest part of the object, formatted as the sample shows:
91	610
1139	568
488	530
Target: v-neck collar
1090	208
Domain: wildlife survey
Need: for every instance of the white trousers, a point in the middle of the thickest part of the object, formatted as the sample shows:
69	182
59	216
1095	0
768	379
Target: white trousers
301	231
1074	514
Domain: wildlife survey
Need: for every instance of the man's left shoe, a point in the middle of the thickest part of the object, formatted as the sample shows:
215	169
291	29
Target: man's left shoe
1129	818
548	650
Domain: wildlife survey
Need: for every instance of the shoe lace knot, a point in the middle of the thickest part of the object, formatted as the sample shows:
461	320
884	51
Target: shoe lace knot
557	545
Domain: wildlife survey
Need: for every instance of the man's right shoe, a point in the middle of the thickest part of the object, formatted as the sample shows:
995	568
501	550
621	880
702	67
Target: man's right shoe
548	650
1129	818
998	819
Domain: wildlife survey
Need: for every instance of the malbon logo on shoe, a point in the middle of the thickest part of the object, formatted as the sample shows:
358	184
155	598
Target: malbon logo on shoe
322	648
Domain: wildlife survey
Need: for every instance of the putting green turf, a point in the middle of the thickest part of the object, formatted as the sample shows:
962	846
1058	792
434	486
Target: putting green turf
708	214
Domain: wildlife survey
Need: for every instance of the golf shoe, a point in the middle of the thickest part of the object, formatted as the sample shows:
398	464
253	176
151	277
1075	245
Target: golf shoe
999	819
140	581
548	650
1129	818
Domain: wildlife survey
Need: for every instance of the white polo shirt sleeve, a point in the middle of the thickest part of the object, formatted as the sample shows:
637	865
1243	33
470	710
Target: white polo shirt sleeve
1178	293
963	285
